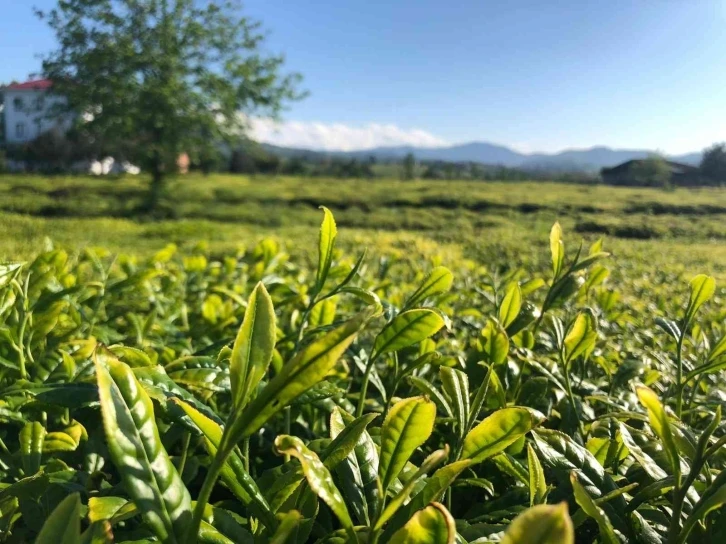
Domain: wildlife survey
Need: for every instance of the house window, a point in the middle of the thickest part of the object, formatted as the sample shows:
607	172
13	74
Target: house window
20	130
18	104
40	103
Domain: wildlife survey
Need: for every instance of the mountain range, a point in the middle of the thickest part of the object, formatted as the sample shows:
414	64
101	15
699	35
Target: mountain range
571	160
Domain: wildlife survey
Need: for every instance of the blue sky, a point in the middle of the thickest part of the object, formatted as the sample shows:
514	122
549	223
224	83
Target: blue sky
535	75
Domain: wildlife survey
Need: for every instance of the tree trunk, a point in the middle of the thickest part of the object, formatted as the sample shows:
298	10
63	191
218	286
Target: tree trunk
156	190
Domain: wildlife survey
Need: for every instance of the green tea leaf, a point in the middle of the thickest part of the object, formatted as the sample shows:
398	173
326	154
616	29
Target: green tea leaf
32	438
660	425
497	432
406	329
434	489
702	290
583	498
495	343
438	281
537	483
432	525
63	526
541	524
326	244
581	337
305	370
456	385
318	477
363	463
233	474
289	522
557	248
252	351
148	474
511	304
432	461
407	426
652	468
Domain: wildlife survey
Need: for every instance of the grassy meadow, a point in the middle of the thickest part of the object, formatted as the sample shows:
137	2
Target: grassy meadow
466	219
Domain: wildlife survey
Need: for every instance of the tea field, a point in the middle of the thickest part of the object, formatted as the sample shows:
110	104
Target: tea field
418	362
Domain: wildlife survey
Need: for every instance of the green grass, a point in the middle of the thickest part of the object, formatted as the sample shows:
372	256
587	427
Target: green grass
470	219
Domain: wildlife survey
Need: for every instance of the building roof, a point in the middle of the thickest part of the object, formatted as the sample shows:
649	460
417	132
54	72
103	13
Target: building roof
36	85
676	167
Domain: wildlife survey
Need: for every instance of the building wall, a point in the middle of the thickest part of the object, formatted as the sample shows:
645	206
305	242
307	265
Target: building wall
27	115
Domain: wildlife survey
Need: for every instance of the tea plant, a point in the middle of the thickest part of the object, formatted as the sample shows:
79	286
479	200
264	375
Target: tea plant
249	398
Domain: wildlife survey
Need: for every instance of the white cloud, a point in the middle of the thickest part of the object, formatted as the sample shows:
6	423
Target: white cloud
338	136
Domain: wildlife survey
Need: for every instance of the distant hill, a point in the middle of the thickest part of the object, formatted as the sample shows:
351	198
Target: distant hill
571	160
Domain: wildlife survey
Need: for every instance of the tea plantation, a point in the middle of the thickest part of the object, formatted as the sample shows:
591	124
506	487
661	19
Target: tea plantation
452	362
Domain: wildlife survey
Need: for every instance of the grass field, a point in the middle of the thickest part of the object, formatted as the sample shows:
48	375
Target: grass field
681	228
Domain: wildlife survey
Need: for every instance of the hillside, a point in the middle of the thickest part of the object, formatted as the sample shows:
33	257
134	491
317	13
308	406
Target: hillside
571	160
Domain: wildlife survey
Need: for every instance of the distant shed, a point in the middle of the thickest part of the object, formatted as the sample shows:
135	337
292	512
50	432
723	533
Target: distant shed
627	173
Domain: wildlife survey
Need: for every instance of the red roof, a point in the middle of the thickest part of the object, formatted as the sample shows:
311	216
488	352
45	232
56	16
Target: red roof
37	85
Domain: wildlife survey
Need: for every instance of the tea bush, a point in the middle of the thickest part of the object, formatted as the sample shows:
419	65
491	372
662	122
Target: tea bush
254	398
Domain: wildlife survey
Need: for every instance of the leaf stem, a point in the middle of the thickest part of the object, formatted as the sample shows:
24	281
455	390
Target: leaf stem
364	389
679	375
206	492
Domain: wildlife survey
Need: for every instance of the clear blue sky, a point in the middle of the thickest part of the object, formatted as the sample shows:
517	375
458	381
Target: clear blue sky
533	74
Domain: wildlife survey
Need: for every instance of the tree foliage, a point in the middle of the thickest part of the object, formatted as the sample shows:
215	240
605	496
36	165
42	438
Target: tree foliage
652	172
409	167
713	163
156	78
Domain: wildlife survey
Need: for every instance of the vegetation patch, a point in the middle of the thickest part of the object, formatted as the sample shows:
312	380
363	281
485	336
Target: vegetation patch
254	397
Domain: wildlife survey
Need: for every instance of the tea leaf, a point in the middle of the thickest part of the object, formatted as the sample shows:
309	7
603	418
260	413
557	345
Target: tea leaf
407	426
136	449
252	351
541	524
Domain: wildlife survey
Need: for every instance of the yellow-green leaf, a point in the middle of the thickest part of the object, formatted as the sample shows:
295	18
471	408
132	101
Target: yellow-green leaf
32	438
537	483
305	370
326	244
432	461
110	508
557	248
252	351
541	524
318	477
660	424
407	426
580	340
233	473
702	289
511	304
406	329
289	521
437	281
136	449
497	432
495	343
432	525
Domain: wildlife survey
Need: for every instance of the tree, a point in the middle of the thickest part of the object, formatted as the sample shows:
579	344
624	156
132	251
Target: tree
713	163
409	167
652	172
156	78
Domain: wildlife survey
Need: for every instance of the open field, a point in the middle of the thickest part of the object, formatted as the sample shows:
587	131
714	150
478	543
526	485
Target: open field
680	227
473	378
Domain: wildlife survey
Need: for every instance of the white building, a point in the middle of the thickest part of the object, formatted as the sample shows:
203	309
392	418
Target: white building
27	111
28	107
